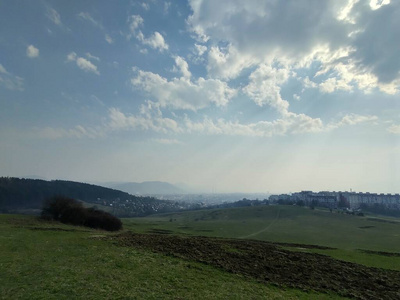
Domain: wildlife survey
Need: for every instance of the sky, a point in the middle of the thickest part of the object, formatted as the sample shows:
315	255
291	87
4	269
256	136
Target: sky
225	96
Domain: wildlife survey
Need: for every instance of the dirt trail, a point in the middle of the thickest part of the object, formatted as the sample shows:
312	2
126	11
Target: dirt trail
267	262
264	229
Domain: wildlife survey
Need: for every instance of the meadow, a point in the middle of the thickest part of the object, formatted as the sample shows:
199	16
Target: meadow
49	260
350	235
41	260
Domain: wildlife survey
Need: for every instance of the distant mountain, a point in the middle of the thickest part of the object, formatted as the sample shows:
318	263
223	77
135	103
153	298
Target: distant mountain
18	194
148	188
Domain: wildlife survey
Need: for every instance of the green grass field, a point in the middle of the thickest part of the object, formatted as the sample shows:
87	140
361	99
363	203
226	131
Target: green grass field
289	224
41	260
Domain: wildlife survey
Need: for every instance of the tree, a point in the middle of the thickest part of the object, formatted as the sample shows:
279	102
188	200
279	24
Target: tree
70	211
343	202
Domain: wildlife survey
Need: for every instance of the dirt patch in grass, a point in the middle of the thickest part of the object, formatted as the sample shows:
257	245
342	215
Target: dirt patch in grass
304	246
393	254
160	231
267	262
382	221
55	229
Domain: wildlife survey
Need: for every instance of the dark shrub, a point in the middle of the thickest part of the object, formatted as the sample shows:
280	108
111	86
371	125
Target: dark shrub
55	207
102	220
70	211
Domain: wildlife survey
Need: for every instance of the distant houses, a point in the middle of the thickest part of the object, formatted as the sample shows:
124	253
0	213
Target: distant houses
350	200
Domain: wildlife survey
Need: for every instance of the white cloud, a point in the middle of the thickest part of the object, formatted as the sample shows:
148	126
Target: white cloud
32	51
351	40
145	6
182	93
54	16
92	57
155	41
167	141
352	119
134	22
376	4
201	49
183	67
395	129
264	87
228	63
60	133
83	63
2	69
333	84
86	16
147	120
10	81
86	65
109	39
71	56
167	6
289	124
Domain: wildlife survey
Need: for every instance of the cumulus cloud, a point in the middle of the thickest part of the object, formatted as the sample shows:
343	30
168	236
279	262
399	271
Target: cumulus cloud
147	120
183	67
377	50
227	62
333	84
352	119
264	87
182	93
201	49
155	40
32	51
289	124
134	22
83	63
262	28
351	40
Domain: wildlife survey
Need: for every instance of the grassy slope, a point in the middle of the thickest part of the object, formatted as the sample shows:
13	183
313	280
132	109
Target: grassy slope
290	224
54	261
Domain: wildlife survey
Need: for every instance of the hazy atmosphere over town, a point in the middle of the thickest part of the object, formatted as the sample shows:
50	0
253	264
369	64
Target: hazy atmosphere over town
223	96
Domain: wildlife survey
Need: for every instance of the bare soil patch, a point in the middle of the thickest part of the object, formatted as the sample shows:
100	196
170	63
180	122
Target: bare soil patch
383	253
267	262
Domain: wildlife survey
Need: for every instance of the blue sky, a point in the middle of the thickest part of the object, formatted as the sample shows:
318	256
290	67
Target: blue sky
227	96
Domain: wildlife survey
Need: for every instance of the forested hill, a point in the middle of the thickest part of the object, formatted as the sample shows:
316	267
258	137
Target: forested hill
18	194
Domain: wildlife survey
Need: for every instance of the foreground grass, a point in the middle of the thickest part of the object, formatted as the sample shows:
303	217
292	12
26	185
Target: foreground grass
289	224
54	261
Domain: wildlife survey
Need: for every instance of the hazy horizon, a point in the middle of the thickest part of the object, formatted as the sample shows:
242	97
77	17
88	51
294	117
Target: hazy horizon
225	96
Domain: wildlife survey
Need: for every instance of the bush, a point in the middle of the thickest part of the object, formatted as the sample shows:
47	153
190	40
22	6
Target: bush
70	211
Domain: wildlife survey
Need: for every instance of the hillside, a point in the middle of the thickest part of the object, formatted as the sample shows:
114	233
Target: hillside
18	194
43	260
82	263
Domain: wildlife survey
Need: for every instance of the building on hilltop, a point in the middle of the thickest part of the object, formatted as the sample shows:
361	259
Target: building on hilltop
350	200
